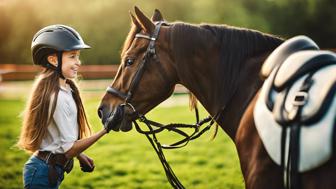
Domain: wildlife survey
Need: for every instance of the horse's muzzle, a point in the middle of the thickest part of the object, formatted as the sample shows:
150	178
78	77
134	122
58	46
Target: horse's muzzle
116	120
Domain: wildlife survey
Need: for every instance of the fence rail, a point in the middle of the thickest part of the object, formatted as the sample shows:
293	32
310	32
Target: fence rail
14	72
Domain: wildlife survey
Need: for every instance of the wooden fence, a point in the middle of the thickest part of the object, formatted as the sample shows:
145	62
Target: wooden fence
13	72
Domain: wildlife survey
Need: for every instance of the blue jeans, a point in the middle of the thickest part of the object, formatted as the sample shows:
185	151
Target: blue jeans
35	174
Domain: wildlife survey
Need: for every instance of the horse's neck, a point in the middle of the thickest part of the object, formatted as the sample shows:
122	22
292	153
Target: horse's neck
212	97
248	85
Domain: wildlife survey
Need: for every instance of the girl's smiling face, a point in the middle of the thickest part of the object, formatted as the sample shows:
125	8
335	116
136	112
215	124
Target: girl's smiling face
70	63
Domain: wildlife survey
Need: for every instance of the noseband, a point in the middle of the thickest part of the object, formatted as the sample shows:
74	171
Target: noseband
151	132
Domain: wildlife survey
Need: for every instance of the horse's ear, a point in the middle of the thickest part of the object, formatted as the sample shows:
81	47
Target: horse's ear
157	16
135	21
146	23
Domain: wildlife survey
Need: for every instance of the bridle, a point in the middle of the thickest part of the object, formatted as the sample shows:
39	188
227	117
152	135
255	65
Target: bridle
150	53
151	132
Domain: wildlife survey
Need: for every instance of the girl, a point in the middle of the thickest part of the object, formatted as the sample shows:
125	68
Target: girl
55	128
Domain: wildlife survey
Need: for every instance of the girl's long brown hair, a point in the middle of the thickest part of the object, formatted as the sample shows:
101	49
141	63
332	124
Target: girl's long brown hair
38	113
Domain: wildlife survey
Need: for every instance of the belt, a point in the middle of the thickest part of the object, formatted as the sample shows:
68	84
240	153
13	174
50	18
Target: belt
52	160
55	159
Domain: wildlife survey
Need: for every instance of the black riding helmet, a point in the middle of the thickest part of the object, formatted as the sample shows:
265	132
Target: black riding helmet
55	39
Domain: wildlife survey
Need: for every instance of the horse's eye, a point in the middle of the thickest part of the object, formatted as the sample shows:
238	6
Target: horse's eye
129	62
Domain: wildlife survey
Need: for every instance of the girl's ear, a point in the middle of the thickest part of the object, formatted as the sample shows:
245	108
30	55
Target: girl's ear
52	59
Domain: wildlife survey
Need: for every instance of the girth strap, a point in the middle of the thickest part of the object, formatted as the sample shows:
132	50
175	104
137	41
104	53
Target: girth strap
292	179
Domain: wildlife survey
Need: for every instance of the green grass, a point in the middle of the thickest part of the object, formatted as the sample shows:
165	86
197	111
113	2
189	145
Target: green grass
126	160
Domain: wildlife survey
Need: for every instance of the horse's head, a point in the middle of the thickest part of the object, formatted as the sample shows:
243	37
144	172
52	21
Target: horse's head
146	75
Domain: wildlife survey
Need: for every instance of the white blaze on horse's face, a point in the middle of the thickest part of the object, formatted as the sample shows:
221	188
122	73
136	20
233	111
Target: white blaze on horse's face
146	76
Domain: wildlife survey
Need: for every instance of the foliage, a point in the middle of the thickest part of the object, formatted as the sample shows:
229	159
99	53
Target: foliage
314	18
104	24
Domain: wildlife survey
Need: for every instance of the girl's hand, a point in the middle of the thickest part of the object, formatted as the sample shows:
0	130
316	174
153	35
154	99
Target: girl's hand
86	163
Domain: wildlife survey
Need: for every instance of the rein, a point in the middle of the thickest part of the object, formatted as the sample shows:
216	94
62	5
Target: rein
155	127
175	127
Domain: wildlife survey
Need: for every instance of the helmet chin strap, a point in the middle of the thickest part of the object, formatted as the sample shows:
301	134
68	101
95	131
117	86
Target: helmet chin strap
59	65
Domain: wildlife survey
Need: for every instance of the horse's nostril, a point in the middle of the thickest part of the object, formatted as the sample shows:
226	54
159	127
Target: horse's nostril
100	113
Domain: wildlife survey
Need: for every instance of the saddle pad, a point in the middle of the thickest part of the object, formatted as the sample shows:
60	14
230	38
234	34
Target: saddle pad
316	141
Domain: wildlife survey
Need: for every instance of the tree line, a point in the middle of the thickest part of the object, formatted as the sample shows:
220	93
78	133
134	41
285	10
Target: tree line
104	24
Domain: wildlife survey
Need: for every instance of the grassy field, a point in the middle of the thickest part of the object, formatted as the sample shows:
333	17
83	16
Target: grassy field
126	160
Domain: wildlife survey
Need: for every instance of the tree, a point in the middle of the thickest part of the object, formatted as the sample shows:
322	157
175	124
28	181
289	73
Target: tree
5	29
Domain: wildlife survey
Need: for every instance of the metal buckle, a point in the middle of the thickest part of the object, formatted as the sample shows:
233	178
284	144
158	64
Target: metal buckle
142	118
300	99
130	105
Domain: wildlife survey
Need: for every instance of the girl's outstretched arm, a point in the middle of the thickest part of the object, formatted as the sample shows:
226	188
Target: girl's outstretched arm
80	145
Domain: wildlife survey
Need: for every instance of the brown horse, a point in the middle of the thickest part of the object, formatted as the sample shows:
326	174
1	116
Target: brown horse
220	65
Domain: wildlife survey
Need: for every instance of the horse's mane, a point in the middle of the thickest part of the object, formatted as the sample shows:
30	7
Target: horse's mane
235	45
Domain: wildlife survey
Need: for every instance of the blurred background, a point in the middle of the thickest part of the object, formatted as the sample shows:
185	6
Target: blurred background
126	160
104	24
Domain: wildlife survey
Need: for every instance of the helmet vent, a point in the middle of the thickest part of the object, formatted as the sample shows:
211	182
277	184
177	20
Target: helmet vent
40	32
72	32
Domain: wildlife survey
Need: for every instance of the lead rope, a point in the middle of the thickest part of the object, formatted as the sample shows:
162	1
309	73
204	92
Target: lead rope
151	136
173	180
